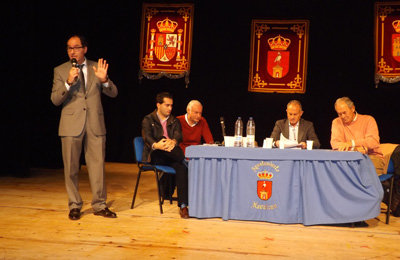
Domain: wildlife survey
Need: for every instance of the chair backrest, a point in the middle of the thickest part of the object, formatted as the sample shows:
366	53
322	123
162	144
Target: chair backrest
138	144
389	173
390	168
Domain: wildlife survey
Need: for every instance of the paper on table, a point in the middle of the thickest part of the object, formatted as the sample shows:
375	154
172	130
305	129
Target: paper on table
289	143
210	144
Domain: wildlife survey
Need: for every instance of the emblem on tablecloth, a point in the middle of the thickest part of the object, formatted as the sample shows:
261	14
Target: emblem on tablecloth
264	186
265	173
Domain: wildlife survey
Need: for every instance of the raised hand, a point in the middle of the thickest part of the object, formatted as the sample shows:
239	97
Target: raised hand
101	70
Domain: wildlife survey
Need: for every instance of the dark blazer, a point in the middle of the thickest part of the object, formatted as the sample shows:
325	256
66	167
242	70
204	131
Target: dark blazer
306	131
152	132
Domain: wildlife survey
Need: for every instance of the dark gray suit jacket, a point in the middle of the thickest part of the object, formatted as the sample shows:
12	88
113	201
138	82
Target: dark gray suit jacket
306	131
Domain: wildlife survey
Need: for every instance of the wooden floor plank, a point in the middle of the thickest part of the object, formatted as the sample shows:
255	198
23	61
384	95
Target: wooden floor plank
34	224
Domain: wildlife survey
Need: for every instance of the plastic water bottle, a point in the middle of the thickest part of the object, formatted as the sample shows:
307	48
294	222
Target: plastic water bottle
238	132
250	132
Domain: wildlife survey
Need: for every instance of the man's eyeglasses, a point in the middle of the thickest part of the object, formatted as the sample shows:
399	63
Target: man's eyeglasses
74	48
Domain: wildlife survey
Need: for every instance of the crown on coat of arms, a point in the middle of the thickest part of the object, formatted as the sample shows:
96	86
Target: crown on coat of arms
396	25
265	175
278	43
167	25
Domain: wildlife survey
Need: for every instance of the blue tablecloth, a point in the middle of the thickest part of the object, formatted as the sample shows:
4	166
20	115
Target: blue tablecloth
282	186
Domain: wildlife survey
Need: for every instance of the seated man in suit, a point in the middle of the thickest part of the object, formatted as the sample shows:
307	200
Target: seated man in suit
194	126
355	132
162	134
294	127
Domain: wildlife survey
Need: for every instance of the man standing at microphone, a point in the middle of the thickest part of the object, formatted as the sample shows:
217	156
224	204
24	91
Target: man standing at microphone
77	86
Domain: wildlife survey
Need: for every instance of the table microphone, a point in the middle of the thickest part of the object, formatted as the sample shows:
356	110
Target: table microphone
222	126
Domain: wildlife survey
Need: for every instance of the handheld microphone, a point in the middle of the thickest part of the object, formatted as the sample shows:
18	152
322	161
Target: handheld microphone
74	63
222	126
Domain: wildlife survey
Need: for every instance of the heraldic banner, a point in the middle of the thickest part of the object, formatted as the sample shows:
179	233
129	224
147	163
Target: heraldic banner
387	42
278	56
166	40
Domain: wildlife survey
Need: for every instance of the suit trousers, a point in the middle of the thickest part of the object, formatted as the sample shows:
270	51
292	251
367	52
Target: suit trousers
175	160
94	151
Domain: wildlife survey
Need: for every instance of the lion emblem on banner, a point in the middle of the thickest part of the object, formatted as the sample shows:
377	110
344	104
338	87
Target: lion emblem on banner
166	40
165	44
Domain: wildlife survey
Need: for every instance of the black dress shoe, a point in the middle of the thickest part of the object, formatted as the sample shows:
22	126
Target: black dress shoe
360	224
74	214
106	213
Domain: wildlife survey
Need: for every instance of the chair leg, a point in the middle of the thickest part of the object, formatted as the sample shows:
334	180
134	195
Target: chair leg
162	191
136	187
159	191
171	188
390	200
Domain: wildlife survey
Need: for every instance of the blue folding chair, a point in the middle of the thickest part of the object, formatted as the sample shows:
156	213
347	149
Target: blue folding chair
159	171
388	176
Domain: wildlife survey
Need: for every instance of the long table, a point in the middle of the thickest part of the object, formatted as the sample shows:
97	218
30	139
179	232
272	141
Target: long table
282	185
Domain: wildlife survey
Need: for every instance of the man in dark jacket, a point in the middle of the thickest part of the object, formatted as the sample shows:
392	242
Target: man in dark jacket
294	127
162	134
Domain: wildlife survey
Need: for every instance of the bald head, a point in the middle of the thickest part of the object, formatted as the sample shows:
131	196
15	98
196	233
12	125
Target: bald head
294	103
294	112
193	103
194	111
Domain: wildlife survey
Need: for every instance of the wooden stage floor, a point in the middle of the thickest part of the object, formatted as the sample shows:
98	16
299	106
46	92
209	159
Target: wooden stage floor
34	224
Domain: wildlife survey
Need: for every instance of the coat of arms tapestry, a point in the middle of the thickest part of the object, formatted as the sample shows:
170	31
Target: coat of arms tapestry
166	41
278	56
387	42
